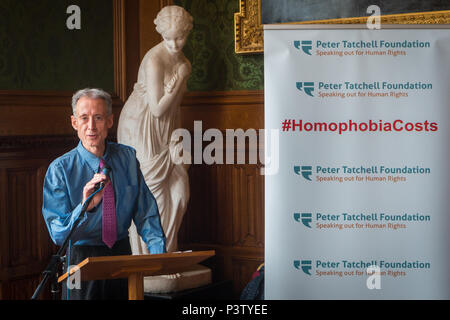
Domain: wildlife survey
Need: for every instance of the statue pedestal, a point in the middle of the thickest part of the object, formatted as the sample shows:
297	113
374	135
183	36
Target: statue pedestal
194	277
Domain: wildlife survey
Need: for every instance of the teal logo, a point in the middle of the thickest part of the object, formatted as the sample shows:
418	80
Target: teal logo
305	218
304	265
305	45
307	87
305	171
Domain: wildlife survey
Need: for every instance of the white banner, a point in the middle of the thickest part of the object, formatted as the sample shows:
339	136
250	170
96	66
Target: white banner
359	208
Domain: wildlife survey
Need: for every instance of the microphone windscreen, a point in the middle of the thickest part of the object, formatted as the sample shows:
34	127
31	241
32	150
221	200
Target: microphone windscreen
106	170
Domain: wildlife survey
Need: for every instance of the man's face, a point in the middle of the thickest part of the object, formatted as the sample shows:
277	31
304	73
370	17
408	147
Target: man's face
92	123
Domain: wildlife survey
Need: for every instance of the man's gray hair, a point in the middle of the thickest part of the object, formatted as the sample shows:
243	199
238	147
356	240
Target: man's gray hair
93	94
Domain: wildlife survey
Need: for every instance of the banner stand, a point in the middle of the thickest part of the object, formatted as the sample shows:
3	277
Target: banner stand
359	208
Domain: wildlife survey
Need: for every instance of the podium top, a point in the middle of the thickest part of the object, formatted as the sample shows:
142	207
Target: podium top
97	268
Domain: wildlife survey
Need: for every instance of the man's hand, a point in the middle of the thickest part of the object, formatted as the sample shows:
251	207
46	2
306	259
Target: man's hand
89	188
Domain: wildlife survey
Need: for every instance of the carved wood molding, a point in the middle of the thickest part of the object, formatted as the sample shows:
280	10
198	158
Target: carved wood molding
248	31
223	110
163	3
120	80
34	98
223	98
249	35
36	142
18	145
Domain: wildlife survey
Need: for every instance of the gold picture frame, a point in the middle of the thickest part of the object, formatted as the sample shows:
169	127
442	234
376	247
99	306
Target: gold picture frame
249	35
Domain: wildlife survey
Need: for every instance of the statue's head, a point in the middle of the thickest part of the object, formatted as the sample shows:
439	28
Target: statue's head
174	24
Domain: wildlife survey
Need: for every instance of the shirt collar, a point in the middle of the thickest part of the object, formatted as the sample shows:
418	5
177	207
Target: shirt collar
92	160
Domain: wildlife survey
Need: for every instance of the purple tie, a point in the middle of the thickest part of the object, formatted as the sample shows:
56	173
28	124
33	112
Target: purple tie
109	232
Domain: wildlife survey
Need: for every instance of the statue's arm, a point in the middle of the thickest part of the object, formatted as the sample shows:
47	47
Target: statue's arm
159	99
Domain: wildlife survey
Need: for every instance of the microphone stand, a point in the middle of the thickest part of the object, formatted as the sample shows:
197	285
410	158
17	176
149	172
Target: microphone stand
51	272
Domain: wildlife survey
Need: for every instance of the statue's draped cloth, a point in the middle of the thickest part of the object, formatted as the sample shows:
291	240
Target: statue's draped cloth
151	137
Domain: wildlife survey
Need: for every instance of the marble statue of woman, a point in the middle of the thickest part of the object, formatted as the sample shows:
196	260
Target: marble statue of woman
146	123
149	117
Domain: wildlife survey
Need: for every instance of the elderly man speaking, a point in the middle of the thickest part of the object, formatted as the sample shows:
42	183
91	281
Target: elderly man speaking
74	176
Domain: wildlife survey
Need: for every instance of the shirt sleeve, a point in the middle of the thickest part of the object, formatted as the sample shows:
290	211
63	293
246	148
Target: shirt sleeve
58	212
147	219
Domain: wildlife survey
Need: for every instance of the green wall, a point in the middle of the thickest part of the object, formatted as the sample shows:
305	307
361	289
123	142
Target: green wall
210	48
38	52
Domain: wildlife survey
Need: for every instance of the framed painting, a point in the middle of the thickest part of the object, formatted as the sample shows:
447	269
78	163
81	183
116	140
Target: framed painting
249	36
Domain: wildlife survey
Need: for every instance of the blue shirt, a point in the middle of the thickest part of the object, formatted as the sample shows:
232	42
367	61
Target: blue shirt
63	194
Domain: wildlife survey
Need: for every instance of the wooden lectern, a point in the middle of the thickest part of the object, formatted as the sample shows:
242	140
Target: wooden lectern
136	267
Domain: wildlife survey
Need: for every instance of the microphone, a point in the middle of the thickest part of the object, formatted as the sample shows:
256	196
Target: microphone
105	170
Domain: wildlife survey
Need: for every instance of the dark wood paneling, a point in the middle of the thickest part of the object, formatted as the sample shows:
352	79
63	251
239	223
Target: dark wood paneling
21	289
243	269
21	226
25	247
226	207
35	129
148	36
247	185
132	43
223	110
225	213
